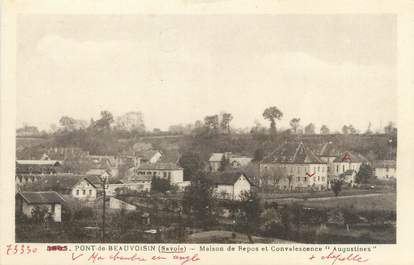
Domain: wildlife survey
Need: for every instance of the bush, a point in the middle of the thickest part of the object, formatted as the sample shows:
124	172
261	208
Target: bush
83	213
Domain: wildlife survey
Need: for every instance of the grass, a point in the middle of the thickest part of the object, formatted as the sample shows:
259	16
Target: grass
375	202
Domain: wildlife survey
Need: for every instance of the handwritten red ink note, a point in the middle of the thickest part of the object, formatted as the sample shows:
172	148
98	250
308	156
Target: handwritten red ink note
186	259
76	257
310	175
17	249
346	157
342	257
118	256
95	257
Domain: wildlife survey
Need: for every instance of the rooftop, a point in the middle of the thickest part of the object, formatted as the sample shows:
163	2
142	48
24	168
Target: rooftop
226	178
39	162
385	164
216	157
160	166
293	153
42	197
351	157
97	172
329	149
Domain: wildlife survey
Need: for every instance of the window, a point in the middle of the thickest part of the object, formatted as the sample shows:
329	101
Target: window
319	178
298	178
77	192
169	175
164	174
323	178
90	192
83	192
337	168
318	168
343	168
314	179
305	178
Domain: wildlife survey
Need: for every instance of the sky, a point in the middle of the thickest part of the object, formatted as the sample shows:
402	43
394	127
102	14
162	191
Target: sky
325	69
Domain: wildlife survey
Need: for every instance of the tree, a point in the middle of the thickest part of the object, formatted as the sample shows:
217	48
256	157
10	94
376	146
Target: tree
272	175
324	129
345	129
336	186
390	129
160	184
212	124
352	129
226	118
68	123
198	201
364	174
39	215
310	128
258	155
104	123
248	214
191	163
130	121
224	163
294	123
368	131
272	114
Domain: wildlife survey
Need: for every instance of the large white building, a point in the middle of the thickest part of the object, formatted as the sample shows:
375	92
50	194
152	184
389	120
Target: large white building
293	166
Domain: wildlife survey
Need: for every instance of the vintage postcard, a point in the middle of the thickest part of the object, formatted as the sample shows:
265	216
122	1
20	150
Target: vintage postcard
206	132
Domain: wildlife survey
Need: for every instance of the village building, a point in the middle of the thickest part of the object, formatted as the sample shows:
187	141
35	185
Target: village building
385	170
87	188
230	185
239	161
348	161
348	177
170	171
130	184
293	166
28	171
328	153
105	162
149	156
217	160
27	202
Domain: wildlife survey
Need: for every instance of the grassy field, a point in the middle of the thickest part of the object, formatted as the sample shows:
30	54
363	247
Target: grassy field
375	202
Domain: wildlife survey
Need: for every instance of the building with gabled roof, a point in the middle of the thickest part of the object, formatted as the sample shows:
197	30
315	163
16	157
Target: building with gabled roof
87	188
328	153
170	171
293	166
235	161
348	161
27	202
149	156
230	185
385	169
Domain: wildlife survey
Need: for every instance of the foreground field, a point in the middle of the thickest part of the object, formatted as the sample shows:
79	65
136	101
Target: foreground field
385	201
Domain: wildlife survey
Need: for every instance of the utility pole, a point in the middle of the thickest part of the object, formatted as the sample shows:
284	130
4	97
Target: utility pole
103	209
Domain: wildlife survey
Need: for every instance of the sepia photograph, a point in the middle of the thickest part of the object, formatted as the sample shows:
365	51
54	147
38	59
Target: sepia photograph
206	128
